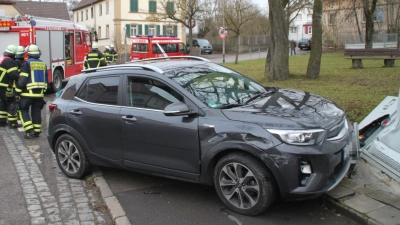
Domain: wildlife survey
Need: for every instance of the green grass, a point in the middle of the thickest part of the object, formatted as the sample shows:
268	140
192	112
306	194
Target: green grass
358	91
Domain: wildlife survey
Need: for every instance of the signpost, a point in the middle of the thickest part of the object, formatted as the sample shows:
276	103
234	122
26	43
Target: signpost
222	34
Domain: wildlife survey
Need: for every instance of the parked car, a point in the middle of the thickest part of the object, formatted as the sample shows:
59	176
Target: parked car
379	137
304	44
189	118
203	44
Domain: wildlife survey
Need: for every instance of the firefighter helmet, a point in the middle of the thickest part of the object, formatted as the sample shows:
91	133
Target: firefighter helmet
107	47
111	46
20	52
33	50
10	50
95	45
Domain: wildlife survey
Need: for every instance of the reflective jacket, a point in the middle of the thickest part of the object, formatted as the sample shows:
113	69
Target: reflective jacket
107	55
32	81
8	71
94	59
113	55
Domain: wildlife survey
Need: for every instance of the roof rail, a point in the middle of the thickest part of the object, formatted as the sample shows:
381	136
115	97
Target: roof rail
172	57
152	68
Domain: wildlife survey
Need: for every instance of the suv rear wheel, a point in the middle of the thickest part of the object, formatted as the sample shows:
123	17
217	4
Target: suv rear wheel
244	184
70	157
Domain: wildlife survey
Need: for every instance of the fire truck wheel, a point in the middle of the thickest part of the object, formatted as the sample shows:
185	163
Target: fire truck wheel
57	80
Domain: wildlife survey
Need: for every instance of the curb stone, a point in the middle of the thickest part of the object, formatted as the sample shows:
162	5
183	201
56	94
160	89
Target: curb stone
117	212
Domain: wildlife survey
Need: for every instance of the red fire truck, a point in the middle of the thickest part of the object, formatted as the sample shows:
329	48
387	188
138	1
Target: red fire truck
63	44
144	47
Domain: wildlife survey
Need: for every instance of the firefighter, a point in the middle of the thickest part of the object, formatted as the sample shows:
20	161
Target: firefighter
113	55
95	58
19	56
30	88
107	53
8	74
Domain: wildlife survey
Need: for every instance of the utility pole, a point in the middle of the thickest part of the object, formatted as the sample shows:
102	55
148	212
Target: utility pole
223	40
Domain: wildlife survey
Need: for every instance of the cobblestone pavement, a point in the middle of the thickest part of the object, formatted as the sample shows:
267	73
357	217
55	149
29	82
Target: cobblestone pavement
50	196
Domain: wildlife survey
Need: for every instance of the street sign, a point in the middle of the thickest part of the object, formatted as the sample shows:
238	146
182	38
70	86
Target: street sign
223	32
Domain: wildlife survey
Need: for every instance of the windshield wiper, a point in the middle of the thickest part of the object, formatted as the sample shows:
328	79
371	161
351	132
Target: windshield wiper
257	95
228	106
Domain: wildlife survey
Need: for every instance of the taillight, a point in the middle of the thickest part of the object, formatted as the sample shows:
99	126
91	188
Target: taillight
385	122
52	107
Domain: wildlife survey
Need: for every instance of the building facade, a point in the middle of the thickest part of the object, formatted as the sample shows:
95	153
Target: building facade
344	20
301	24
118	21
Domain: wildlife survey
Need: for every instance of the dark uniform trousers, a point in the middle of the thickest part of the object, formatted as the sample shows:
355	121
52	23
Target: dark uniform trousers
36	105
3	105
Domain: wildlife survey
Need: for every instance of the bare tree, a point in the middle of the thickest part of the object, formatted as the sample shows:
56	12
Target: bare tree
277	62
369	12
393	22
237	14
314	62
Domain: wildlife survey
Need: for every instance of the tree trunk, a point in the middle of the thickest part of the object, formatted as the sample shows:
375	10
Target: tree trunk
314	62
278	53
369	22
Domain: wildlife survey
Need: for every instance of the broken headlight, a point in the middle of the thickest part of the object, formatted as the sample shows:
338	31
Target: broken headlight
299	137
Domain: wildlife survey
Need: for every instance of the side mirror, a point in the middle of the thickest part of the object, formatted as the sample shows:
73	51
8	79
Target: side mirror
177	109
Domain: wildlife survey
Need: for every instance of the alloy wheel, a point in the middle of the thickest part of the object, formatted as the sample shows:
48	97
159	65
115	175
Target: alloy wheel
69	157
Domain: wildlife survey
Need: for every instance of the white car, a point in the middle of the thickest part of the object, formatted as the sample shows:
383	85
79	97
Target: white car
380	137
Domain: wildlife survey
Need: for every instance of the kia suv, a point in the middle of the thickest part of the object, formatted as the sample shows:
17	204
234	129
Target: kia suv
189	118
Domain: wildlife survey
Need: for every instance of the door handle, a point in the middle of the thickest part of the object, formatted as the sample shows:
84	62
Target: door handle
76	112
129	118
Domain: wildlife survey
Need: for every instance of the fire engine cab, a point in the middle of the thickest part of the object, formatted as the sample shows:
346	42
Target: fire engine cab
63	44
145	46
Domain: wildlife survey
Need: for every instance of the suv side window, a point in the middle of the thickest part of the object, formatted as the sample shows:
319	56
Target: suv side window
150	94
100	90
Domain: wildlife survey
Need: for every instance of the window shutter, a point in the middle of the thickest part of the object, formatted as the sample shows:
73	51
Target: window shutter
152	6
164	29
158	30
127	30
140	29
146	29
176	30
134	5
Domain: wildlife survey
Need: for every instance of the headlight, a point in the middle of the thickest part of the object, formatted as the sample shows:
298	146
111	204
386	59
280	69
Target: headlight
299	137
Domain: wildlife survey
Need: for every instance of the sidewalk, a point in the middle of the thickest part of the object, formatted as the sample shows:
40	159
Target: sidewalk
368	197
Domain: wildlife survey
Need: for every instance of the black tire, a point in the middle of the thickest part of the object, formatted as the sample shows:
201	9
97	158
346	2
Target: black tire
56	85
301	48
70	157
246	200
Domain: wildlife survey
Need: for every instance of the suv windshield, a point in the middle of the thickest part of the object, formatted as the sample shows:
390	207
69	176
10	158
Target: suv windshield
215	85
203	42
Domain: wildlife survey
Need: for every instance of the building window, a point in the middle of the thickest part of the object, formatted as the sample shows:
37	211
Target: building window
170	30
152	30
81	15
170	7
107	7
378	15
107	31
99	32
91	12
293	29
152	6
332	19
133	30
87	14
309	17
77	17
100	10
134	6
310	30
298	17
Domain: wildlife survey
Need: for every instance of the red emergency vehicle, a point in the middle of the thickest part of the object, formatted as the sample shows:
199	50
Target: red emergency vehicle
63	44
144	47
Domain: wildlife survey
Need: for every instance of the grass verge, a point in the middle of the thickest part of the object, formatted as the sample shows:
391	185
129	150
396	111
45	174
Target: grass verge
358	91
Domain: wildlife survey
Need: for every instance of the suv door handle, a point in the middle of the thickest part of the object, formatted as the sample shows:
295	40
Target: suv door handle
76	112
129	118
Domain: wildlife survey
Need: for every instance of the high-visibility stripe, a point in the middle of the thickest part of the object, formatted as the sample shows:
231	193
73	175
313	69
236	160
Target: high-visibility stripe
18	90
12	69
4	71
24	74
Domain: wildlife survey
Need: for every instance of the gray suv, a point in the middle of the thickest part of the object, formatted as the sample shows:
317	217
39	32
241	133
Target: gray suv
189	118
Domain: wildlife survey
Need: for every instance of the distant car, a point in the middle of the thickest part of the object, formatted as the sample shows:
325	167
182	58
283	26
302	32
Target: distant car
305	44
203	44
189	118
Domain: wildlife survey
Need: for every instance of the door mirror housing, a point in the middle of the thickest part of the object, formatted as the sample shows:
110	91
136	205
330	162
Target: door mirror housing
177	109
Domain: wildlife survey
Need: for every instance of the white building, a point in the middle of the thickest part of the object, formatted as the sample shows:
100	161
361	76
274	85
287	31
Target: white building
301	25
113	19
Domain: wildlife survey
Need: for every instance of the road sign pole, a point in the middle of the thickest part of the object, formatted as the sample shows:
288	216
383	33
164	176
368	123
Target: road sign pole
223	50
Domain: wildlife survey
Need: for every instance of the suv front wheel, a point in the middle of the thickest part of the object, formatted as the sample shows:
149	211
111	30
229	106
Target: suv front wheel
70	157
244	184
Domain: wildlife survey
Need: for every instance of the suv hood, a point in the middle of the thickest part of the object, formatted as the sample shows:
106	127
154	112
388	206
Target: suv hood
289	109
